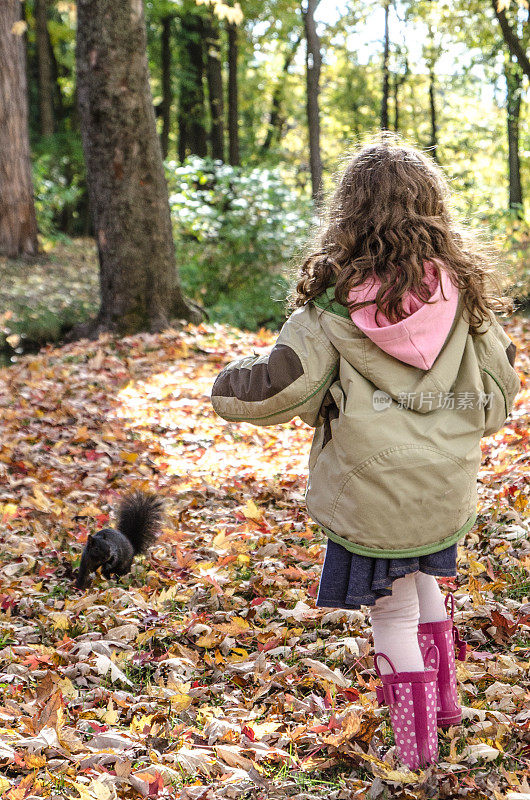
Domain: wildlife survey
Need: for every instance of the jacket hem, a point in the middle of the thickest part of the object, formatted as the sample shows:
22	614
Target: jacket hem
376	552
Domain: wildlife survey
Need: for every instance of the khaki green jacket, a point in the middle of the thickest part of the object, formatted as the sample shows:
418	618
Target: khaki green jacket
396	452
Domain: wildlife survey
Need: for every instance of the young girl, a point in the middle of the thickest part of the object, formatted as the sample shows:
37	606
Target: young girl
395	357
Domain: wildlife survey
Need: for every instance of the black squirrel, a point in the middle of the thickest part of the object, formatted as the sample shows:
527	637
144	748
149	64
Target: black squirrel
113	550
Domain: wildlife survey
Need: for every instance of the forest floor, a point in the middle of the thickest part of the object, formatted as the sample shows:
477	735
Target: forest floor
208	672
43	297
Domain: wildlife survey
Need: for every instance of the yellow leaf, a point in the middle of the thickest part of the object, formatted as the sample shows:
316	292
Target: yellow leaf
209	640
238	654
14	339
235	627
67	688
34	761
144	637
59	621
393	774
180	702
204	565
138	724
8	511
110	715
101	791
521	504
19	27
219	541
4	784
39	500
475	567
168	594
88	511
130	457
251	511
81	435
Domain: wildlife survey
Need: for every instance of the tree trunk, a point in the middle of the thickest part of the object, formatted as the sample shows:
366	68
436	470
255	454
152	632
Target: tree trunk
165	48
386	76
396	103
275	121
313	65
61	111
215	89
433	145
513	75
18	226
44	68
399	80
516	46
127	188
233	96
193	138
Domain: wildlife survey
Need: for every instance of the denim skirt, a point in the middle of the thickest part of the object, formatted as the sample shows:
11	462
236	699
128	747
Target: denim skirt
349	580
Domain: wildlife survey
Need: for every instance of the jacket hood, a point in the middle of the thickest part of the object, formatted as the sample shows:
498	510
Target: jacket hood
382	355
418	338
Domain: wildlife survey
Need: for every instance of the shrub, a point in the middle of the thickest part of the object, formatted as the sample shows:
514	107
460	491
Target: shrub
61	201
235	230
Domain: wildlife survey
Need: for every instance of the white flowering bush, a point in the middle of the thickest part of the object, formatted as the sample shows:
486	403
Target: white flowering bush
235	231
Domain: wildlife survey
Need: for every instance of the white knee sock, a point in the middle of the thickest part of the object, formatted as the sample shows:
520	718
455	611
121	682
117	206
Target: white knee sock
395	627
430	598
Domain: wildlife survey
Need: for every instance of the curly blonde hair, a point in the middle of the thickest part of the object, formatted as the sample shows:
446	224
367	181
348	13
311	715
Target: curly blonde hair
388	215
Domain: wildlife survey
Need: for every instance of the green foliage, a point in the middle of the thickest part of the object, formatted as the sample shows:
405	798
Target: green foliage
235	231
59	182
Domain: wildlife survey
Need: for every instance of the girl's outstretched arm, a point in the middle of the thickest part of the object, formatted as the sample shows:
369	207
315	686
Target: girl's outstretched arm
290	381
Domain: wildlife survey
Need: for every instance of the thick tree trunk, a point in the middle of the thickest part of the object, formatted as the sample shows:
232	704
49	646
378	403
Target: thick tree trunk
386	75
513	75
18	226
44	68
127	188
275	118
215	90
313	65
165	49
233	96
193	138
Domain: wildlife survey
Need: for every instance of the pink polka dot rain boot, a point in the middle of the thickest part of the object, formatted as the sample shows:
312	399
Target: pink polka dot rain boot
411	700
444	635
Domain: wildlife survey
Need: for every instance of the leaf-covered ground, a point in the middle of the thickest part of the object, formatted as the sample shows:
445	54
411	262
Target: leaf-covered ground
44	297
208	672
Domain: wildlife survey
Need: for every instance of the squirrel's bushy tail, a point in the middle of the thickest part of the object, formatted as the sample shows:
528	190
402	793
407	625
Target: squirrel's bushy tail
139	519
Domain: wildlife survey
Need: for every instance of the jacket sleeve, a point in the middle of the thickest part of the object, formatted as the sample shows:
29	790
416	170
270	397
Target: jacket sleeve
291	380
499	377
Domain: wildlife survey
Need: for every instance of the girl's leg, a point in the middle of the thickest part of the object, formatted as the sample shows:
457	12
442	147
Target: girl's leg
430	598
395	627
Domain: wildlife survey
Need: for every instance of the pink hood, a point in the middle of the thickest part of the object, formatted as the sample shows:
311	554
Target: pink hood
417	339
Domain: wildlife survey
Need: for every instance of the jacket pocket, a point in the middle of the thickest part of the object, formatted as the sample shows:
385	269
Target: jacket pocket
408	496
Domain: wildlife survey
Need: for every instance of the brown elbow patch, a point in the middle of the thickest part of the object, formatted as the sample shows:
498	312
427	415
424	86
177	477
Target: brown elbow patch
263	380
510	352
